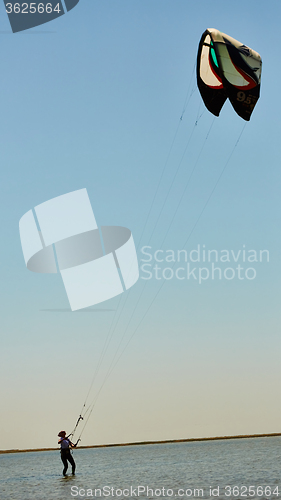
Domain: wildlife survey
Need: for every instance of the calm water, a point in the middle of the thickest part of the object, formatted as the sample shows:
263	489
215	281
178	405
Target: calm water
169	471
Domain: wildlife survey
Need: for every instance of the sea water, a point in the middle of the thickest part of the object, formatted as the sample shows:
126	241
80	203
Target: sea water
235	468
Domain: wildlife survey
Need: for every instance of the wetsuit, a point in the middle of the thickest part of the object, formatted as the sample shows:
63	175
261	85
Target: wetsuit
66	455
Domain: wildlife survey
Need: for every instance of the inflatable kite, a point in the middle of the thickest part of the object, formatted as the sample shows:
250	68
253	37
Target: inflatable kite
228	69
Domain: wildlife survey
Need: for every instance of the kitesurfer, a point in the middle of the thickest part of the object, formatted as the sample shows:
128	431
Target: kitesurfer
65	445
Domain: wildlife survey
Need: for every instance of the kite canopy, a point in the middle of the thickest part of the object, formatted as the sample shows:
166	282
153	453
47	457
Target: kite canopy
228	69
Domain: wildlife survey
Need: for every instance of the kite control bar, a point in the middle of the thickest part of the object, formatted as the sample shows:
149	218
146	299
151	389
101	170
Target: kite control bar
80	418
76	425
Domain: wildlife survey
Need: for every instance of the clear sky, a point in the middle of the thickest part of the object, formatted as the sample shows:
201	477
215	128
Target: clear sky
93	100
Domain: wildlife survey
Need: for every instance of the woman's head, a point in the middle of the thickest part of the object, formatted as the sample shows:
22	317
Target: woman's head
62	434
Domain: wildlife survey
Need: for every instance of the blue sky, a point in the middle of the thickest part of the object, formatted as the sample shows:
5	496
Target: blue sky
94	99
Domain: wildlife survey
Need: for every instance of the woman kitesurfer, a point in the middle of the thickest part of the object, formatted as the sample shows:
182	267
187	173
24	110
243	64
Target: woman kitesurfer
65	445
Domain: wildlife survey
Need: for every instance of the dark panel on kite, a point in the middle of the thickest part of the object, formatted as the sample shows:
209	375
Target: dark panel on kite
70	4
23	16
209	78
228	69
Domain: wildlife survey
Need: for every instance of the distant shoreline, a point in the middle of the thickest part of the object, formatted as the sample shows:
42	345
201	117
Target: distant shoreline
141	443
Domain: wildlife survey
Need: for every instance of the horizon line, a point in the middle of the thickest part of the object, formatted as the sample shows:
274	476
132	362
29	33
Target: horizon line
142	443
